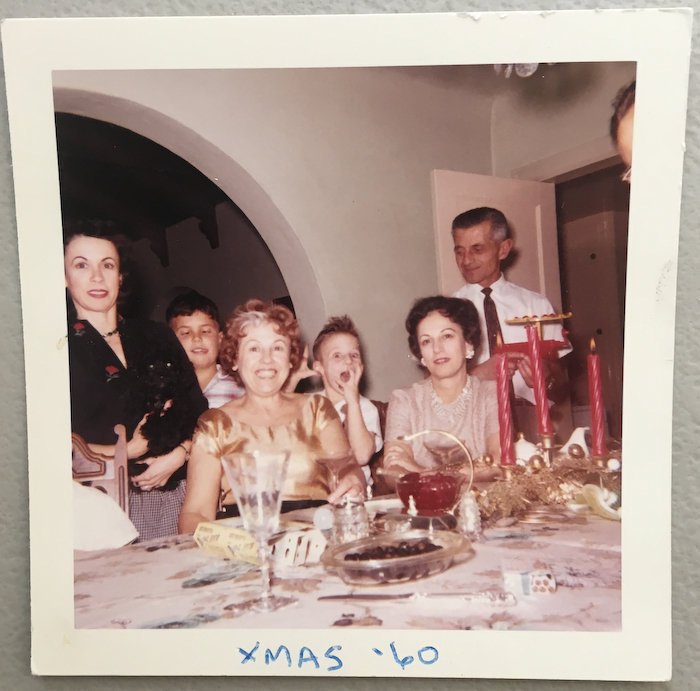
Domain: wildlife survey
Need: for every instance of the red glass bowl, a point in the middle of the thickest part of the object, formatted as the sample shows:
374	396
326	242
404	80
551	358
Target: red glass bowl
434	492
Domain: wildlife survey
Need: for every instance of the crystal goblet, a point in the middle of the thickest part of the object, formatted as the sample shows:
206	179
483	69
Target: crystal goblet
444	451
333	463
256	479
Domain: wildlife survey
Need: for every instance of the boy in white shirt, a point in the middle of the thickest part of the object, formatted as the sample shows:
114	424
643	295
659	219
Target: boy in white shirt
337	357
195	320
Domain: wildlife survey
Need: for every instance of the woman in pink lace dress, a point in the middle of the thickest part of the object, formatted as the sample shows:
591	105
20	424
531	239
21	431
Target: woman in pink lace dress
443	333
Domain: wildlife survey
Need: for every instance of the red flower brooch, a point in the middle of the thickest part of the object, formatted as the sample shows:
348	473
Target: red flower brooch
112	372
78	328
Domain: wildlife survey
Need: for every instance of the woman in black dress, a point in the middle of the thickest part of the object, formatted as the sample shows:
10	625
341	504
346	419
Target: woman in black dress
118	370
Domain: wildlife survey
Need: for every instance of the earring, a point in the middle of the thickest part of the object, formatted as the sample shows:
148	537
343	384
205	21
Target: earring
470	354
422	361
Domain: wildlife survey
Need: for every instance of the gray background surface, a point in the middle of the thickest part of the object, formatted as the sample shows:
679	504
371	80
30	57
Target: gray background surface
14	514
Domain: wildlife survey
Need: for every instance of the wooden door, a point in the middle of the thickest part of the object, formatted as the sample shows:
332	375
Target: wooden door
592	279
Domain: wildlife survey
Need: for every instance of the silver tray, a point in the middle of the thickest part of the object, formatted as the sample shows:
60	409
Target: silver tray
397	569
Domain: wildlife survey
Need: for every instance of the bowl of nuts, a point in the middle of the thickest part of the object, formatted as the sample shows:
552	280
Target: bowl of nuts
396	558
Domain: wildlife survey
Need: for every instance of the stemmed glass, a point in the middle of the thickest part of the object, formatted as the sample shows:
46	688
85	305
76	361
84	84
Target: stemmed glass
444	450
256	479
333	463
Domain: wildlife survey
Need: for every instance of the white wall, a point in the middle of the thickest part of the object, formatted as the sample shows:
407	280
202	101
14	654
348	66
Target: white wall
332	165
343	156
557	119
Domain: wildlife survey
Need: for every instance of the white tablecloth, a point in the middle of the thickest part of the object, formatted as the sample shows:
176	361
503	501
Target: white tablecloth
171	583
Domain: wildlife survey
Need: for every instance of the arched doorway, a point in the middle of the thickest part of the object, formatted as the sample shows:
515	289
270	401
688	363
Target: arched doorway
230	177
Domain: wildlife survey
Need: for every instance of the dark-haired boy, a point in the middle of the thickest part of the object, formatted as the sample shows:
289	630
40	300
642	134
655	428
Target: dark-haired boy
195	320
337	357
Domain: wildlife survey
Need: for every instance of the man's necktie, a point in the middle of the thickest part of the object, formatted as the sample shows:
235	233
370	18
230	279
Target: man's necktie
493	327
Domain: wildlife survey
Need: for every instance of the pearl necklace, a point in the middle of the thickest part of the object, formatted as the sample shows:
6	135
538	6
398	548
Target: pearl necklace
453	412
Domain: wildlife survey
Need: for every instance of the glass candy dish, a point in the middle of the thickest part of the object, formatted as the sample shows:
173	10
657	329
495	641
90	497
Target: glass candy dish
426	554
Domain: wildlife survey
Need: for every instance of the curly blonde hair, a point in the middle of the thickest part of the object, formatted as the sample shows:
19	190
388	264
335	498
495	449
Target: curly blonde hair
253	313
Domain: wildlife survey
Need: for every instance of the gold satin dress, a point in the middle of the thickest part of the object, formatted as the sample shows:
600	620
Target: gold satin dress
218	435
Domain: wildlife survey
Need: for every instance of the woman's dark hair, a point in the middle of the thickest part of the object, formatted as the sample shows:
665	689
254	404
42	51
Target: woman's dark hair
103	230
621	104
461	312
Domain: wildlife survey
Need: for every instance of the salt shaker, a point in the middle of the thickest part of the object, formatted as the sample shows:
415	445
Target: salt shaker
350	520
469	518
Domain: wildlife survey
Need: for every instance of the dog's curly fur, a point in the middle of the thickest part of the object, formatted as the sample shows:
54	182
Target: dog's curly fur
171	414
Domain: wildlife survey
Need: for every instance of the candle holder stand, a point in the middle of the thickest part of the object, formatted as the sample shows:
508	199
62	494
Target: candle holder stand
507	471
548	448
599	461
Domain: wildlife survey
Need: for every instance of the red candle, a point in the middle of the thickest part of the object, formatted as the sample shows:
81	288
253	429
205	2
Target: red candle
505	420
595	397
544	422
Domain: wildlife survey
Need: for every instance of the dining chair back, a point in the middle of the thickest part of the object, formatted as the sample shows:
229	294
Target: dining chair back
106	473
379	485
381	407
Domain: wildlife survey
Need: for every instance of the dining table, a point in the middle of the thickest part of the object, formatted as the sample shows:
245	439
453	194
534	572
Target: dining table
558	574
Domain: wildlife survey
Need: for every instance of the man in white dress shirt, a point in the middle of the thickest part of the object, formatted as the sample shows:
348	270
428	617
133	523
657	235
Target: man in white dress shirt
482	240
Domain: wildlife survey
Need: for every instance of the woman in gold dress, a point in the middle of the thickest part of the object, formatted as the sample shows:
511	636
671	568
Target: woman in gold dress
261	348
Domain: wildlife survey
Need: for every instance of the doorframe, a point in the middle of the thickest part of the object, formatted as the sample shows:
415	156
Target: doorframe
603	164
568	164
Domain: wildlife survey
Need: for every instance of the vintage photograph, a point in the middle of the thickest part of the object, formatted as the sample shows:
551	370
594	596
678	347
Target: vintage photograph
512	485
350	347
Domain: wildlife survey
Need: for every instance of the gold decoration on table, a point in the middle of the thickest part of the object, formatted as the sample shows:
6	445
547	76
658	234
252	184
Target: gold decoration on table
564	478
571	480
576	451
549	474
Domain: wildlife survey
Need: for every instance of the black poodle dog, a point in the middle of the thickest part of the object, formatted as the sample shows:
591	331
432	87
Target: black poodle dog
171	413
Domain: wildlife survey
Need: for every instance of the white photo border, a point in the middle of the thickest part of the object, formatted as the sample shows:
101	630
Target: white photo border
657	40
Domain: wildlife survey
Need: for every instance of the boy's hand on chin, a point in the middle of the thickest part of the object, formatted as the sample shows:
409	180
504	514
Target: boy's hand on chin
351	387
